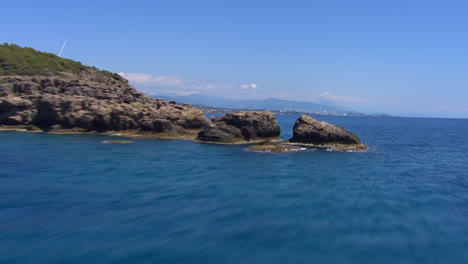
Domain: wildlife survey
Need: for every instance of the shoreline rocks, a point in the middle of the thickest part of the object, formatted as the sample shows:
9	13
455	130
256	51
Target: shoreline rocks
87	103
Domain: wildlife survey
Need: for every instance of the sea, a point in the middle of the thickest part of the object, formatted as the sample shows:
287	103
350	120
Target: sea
73	199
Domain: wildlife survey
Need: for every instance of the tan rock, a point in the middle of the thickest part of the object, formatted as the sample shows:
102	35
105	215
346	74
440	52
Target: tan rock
88	102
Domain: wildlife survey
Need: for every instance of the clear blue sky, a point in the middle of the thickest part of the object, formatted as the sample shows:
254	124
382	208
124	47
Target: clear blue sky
401	57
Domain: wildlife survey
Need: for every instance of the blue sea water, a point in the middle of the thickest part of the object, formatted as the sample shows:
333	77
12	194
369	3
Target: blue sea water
72	199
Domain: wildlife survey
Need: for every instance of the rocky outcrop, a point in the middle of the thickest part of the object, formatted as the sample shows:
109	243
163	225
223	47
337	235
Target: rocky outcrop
242	127
90	103
309	131
96	103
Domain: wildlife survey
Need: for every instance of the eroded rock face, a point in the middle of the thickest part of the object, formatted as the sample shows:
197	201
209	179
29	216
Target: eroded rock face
310	131
220	133
241	127
85	102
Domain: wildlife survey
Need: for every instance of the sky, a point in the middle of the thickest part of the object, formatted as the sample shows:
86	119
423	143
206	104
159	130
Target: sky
397	57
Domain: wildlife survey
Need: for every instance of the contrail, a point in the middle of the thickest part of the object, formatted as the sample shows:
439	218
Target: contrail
63	46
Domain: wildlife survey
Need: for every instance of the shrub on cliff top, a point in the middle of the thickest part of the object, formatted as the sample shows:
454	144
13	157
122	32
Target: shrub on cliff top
16	60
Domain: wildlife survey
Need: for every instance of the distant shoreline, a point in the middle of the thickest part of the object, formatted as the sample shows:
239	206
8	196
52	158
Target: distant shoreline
207	110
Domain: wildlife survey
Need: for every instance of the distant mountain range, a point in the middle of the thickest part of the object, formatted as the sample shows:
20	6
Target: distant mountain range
273	104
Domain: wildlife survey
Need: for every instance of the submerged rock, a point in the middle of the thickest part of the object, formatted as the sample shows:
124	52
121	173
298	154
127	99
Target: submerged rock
308	130
274	147
242	127
120	142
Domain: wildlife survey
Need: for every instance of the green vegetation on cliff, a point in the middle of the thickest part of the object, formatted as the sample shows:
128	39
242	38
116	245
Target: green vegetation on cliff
16	60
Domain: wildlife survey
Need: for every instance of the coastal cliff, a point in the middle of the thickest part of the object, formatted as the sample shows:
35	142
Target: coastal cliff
65	96
86	102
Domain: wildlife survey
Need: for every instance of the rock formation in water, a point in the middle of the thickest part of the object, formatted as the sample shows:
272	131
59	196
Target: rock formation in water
309	131
87	102
41	91
241	127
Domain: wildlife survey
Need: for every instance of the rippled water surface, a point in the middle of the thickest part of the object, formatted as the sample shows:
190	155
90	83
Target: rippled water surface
72	199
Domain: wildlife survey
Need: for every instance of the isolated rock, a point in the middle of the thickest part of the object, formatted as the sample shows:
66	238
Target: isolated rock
310	131
90	102
241	127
